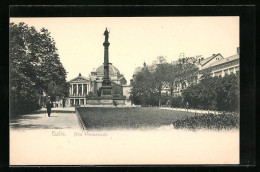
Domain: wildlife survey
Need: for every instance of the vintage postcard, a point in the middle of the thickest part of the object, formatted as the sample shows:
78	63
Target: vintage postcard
124	90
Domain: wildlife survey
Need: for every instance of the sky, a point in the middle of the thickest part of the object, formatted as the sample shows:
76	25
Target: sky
135	40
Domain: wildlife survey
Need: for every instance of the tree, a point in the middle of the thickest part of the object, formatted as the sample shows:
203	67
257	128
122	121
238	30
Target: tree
214	93
228	93
142	87
159	73
149	82
35	68
180	73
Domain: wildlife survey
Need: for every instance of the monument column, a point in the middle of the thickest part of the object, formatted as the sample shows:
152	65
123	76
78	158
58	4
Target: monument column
106	80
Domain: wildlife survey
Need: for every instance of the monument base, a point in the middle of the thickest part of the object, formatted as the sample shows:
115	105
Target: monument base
106	92
105	101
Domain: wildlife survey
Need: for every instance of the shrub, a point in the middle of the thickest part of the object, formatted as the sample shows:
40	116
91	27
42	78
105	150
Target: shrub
225	121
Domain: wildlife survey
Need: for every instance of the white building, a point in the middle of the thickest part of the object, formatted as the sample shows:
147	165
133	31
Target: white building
215	65
81	86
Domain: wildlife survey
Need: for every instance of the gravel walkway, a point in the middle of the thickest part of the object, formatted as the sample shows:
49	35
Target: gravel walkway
61	118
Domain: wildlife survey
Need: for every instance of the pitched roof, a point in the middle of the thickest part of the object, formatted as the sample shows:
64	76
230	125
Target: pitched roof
78	78
206	60
224	60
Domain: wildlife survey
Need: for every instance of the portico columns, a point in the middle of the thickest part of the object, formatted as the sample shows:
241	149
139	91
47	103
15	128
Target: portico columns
81	89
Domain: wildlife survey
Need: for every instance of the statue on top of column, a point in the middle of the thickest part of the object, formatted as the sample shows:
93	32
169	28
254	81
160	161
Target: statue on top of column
106	33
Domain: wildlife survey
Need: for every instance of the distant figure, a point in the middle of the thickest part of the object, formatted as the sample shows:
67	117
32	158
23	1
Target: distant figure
187	106
49	105
115	103
168	103
63	103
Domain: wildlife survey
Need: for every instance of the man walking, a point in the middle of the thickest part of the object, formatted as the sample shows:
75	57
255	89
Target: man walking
63	103
49	105
187	106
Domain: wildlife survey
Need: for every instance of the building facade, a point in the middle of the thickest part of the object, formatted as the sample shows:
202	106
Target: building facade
79	89
215	65
81	86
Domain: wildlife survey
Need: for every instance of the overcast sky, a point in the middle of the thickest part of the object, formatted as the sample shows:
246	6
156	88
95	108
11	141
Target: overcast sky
134	40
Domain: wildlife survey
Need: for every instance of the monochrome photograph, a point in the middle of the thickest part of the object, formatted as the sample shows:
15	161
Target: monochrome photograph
124	90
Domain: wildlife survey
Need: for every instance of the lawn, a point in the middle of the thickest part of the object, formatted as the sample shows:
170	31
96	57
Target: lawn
139	117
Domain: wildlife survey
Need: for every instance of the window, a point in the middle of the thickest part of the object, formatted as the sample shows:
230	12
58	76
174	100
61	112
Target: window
116	91
76	101
74	89
85	89
231	70
82	101
72	102
226	72
79	89
219	73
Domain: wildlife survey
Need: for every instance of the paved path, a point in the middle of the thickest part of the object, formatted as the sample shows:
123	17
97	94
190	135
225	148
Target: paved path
190	110
61	118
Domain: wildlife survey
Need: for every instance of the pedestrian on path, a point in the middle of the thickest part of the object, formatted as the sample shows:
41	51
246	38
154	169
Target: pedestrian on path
187	106
114	103
63	103
49	105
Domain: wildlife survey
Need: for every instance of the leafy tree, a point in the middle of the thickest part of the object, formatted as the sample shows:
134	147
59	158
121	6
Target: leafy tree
214	93
142	87
228	93
149	82
35	68
179	73
159	78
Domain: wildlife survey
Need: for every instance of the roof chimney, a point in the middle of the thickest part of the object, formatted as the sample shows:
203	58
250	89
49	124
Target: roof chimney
238	50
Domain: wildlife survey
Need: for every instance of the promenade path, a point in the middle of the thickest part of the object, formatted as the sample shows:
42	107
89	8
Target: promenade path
190	110
61	118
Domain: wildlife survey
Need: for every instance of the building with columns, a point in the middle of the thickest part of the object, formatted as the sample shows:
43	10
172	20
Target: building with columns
81	86
79	89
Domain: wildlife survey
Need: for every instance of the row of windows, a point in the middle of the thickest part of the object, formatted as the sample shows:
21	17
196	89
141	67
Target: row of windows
232	63
75	102
219	74
226	71
74	89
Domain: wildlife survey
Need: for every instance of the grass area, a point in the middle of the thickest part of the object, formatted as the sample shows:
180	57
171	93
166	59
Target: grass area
111	118
224	121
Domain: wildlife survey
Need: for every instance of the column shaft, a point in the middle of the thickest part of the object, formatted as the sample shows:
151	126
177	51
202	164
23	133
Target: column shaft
81	89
